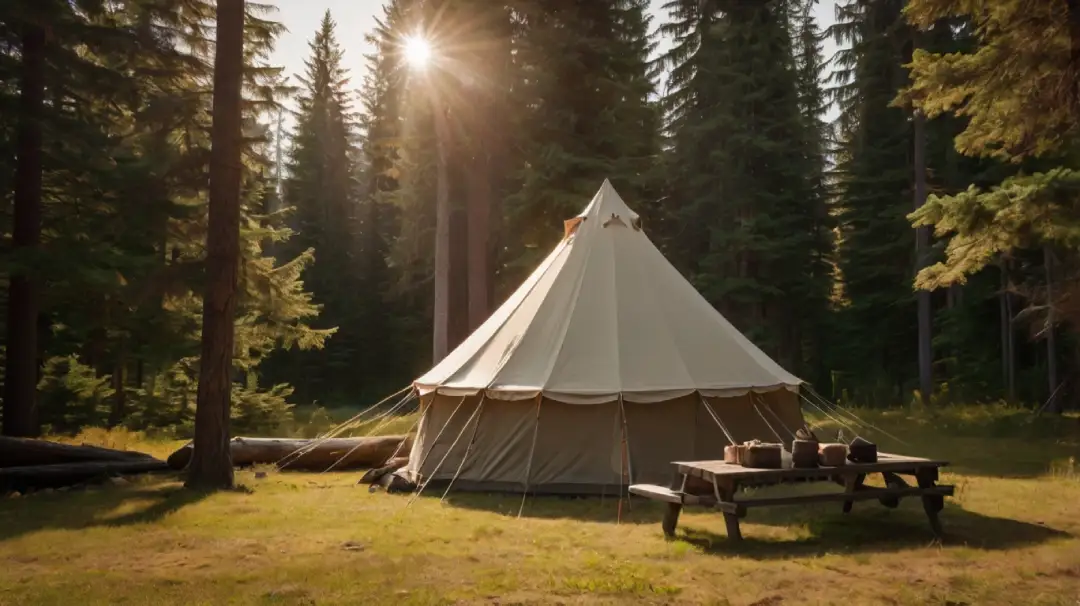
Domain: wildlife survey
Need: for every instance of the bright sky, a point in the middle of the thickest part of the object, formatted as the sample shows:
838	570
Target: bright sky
355	18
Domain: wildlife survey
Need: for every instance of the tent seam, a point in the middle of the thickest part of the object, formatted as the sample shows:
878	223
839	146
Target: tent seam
553	256
667	331
568	316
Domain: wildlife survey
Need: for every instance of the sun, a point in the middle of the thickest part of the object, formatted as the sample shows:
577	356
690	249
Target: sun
417	51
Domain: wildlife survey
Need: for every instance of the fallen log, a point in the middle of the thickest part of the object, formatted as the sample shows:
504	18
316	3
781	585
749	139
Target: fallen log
66	474
22	452
340	453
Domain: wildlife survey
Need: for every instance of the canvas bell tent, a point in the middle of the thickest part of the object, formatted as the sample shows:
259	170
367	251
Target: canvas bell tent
601	369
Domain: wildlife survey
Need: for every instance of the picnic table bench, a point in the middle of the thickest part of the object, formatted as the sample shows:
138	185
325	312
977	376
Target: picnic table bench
715	484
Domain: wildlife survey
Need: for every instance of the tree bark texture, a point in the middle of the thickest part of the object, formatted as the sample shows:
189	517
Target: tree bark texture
922	248
211	463
479	231
458	325
21	371
1051	345
441	315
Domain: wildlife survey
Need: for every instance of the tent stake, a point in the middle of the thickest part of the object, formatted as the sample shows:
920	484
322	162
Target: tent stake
626	457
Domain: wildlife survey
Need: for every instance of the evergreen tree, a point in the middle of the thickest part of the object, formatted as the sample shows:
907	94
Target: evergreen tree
586	116
124	220
746	175
321	193
401	319
874	195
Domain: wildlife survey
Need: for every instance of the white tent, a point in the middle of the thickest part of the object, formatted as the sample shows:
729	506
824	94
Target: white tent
612	346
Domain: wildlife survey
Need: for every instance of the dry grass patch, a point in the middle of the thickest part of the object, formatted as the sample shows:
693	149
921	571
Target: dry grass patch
320	539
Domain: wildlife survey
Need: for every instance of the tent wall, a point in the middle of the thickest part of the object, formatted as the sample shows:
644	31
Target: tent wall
578	448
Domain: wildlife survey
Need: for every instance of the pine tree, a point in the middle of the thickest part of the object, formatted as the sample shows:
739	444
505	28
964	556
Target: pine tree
58	46
383	95
810	67
124	218
321	192
586	117
874	196
211	464
1015	89
746	173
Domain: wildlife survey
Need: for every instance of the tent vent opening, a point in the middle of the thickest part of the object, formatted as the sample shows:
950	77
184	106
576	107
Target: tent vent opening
614	220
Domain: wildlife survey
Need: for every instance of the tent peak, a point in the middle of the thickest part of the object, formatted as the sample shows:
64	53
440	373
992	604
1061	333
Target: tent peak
608	202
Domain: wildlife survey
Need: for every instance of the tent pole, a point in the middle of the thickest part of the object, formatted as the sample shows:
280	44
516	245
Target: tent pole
532	451
614	441
626	453
468	448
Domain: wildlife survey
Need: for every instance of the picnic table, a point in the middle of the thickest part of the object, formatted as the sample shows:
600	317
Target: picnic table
716	483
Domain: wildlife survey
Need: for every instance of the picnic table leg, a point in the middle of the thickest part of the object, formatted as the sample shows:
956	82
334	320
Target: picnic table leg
671	515
851	484
892	481
932	503
725	491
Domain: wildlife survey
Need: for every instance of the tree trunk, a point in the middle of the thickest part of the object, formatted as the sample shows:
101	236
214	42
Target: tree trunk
1051	345
922	247
441	314
119	372
1008	366
21	371
458	324
479	231
211	464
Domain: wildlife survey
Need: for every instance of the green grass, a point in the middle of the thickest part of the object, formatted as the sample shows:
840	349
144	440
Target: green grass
321	539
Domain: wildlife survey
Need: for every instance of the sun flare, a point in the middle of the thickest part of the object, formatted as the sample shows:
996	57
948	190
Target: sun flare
417	51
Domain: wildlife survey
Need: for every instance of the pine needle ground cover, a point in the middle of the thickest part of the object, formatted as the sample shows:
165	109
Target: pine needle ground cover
321	539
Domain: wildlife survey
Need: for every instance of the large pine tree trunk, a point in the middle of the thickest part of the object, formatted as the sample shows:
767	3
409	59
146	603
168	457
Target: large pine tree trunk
211	463
21	371
458	328
479	231
922	247
1051	345
440	344
1008	358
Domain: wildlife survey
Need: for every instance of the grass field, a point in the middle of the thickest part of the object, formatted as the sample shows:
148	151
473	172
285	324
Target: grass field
321	539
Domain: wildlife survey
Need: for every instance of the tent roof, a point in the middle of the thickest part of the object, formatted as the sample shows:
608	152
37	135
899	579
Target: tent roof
605	315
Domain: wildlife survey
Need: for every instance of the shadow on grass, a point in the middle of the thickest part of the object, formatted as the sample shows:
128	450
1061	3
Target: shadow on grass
148	500
869	528
874	531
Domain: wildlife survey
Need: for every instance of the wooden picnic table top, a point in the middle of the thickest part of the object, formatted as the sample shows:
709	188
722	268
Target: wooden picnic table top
885	463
